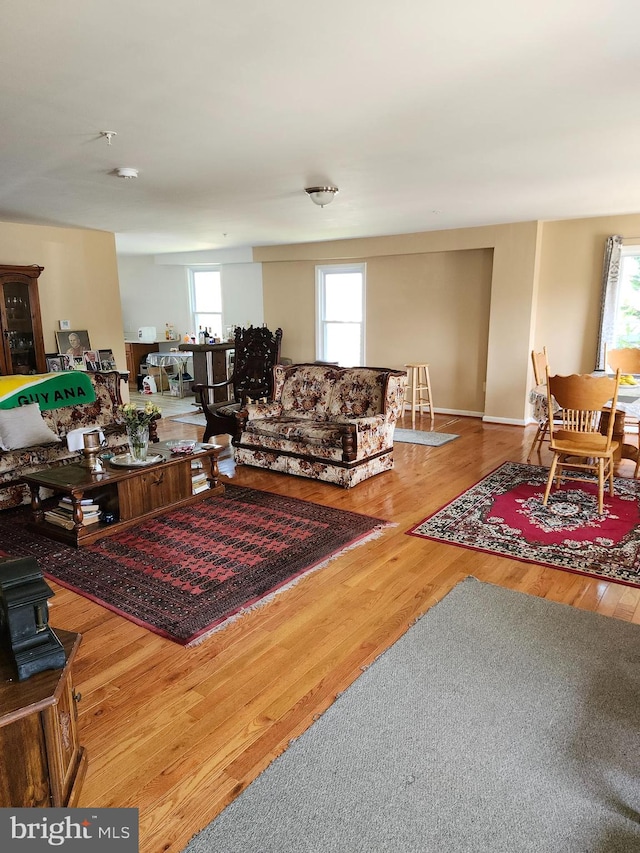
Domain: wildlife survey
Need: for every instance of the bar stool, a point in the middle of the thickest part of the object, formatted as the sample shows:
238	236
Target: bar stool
419	389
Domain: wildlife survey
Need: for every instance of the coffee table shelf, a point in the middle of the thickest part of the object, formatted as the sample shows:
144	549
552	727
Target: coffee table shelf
132	495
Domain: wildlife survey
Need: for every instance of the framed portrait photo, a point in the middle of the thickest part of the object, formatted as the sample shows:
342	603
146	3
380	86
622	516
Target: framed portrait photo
91	362
55	364
73	343
107	361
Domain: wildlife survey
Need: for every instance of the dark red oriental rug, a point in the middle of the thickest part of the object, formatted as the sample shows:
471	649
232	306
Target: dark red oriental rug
503	514
186	573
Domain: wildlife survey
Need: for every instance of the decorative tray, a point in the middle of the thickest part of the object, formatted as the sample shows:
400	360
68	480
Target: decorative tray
126	460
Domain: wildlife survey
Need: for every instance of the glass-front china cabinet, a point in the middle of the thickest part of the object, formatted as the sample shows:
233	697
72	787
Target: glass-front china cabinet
22	348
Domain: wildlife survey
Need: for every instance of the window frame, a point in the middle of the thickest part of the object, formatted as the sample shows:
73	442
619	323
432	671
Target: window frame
322	271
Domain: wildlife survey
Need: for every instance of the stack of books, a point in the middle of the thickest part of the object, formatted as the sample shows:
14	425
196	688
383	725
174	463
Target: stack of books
199	482
62	515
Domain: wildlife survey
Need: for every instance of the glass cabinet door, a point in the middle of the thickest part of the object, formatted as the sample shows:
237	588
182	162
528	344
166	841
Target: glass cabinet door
22	345
19	331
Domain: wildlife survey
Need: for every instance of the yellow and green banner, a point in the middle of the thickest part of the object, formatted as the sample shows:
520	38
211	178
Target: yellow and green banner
49	390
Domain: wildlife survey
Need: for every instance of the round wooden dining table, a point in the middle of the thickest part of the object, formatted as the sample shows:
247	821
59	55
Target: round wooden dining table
627	409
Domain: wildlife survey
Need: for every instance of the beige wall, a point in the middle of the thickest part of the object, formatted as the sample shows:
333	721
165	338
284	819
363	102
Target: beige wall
422	285
571	285
418	307
472	301
79	282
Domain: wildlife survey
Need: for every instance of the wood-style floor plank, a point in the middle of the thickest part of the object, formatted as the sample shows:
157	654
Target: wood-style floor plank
179	732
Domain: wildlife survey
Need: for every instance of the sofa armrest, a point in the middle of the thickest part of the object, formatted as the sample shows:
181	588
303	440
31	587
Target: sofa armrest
366	437
375	421
394	395
263	410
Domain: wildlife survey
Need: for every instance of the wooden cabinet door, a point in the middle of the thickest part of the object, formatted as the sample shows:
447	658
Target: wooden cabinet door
24	781
22	346
41	761
63	749
154	489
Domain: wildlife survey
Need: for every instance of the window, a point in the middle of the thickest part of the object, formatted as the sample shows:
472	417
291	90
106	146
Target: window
340	291
206	299
626	328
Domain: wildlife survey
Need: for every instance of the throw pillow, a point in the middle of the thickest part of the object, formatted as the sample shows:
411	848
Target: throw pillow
24	427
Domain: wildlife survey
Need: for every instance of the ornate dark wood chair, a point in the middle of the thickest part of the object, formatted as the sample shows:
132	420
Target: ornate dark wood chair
257	350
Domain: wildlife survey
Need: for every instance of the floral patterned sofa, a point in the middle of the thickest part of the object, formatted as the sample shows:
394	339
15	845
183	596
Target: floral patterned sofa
327	423
103	413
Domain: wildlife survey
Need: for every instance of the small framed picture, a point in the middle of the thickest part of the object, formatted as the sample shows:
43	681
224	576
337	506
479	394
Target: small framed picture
107	361
67	362
91	362
73	343
54	363
78	362
64	325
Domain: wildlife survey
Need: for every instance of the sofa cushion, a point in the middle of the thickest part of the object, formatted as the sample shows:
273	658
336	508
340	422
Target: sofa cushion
24	427
317	433
306	391
357	393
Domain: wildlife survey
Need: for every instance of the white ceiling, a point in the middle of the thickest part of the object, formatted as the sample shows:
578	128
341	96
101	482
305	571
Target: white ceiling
426	115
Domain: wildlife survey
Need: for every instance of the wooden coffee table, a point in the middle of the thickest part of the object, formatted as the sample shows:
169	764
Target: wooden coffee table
130	494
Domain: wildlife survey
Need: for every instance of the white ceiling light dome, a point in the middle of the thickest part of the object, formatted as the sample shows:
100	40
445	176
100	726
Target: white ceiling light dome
127	172
321	195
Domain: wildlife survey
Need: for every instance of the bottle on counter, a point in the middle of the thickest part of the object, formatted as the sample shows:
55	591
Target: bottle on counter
167	333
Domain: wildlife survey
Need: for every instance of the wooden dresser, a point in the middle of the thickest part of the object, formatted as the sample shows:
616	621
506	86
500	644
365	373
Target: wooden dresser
135	352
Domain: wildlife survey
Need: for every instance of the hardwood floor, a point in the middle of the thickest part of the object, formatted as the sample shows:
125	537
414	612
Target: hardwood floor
179	732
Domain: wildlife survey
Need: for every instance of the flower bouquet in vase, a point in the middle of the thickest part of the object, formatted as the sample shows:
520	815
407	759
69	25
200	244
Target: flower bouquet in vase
137	423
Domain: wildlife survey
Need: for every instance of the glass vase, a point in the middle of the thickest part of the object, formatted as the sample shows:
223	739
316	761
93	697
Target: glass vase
138	438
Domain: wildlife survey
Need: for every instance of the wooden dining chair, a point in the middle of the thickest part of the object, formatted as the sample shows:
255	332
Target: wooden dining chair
625	359
577	444
540	365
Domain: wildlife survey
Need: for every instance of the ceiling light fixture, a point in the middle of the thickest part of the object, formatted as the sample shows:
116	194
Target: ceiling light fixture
127	173
321	195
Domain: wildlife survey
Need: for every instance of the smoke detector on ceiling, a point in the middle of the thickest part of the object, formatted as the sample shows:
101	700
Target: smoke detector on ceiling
127	173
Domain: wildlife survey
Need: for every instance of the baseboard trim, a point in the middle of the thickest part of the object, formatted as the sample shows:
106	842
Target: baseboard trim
437	411
489	419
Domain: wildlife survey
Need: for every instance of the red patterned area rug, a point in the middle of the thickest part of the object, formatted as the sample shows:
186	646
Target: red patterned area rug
503	514
188	572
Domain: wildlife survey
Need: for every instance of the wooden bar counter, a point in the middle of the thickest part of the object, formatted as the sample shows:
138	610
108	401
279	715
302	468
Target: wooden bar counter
210	366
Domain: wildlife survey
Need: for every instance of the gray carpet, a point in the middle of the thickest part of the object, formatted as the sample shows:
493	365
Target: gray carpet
198	420
408	436
499	722
419	436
